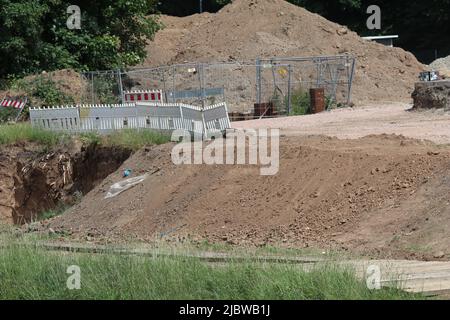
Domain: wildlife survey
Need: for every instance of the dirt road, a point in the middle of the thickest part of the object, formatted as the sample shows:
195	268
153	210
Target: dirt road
433	125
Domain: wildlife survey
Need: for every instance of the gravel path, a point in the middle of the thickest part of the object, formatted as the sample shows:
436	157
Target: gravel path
433	125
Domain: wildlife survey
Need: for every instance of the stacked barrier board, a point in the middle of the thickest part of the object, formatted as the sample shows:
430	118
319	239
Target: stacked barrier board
145	115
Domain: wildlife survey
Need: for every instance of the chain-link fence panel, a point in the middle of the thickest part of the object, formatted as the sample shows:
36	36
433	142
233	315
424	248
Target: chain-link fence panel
265	88
334	74
102	87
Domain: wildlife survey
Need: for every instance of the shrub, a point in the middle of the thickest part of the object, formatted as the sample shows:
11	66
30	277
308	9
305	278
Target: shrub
42	91
300	102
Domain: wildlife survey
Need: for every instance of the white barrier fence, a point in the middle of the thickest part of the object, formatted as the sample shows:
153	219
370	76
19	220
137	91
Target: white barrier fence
149	115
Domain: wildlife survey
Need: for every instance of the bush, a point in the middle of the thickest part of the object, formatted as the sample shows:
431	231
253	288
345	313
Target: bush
42	91
34	35
300	102
106	90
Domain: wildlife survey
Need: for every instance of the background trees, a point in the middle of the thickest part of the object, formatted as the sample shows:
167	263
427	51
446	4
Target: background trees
34	35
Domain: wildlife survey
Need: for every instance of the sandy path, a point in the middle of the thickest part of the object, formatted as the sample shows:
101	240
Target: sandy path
359	122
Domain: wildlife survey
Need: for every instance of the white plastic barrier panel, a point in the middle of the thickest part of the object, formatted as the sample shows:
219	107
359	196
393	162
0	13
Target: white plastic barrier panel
150	115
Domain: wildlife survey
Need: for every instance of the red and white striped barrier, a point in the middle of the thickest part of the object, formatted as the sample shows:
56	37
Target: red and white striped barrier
143	96
17	103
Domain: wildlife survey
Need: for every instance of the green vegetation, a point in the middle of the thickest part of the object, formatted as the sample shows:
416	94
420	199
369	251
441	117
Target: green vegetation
34	35
32	273
132	139
105	90
59	210
128	138
8	114
24	132
41	90
51	213
135	139
300	102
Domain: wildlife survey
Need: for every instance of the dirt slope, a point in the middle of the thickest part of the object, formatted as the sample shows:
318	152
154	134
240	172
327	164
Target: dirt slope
246	29
326	191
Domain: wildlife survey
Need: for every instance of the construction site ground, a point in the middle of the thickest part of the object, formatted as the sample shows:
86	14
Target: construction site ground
372	119
371	180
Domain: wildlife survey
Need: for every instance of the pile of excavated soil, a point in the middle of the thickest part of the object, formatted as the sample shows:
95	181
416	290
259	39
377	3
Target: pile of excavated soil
325	194
432	95
441	64
246	29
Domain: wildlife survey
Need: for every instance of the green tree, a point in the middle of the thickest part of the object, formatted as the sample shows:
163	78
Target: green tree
34	35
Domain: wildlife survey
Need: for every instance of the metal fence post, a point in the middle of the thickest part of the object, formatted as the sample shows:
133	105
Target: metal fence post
258	80
173	85
92	88
164	84
201	80
352	74
289	90
119	75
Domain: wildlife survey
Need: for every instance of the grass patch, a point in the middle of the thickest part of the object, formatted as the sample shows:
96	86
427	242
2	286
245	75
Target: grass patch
22	132
131	139
135	139
32	273
59	210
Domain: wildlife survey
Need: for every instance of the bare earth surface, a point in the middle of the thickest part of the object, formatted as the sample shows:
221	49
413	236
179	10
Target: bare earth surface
373	179
433	125
384	195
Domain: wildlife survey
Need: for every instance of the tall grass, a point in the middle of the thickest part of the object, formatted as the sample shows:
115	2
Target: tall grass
135	139
31	273
21	132
131	139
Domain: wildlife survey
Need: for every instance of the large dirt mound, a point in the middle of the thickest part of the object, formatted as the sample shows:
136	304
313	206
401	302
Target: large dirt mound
246	29
324	194
441	64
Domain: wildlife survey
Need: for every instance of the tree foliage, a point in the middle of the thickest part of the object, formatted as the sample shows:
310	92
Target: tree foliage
34	35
